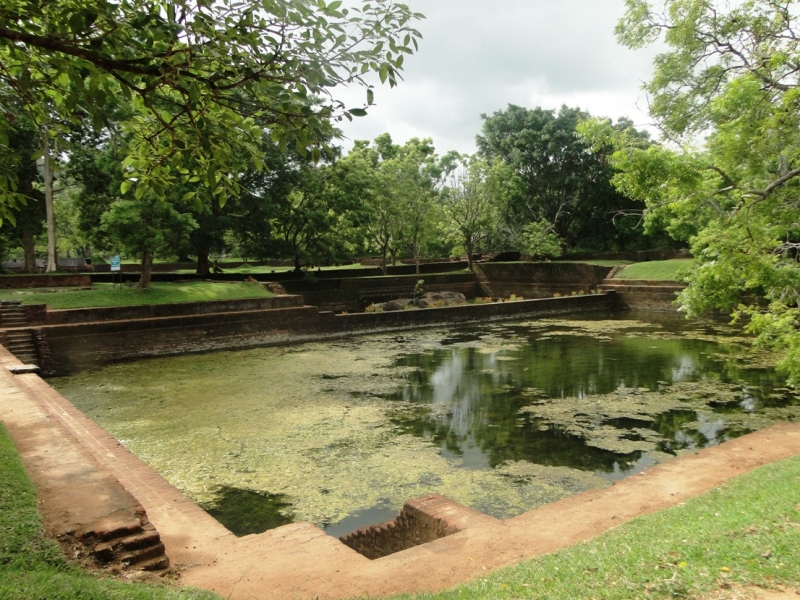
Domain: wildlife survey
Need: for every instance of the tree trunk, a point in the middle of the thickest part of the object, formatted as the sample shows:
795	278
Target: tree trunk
393	253
147	270
469	248
416	260
52	257
383	260
28	252
297	267
203	265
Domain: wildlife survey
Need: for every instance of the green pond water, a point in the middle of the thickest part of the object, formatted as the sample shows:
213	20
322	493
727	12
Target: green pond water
502	418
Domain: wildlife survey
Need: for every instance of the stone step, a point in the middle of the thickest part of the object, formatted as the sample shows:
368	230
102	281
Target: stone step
154	564
18	335
141	540
23	350
141	555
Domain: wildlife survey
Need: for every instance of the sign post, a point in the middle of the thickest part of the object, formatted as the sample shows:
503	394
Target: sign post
116	268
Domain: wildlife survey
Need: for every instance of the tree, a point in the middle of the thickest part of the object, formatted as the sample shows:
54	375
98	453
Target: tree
144	227
564	180
539	240
204	78
27	220
472	200
729	73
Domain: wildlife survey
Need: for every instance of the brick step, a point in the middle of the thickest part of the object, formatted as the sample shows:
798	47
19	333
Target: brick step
141	555
141	540
130	544
24	349
155	565
21	346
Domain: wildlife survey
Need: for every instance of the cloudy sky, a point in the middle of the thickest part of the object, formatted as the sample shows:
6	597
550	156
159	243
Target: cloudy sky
477	56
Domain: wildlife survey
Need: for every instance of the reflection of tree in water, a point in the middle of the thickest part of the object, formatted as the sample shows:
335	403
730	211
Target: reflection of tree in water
468	399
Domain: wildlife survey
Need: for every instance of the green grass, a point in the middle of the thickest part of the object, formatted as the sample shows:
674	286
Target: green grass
664	270
105	294
744	533
33	567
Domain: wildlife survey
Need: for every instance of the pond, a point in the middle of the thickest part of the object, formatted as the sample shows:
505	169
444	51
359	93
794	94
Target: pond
502	418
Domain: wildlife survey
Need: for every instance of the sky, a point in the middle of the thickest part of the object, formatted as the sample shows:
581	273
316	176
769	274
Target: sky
478	56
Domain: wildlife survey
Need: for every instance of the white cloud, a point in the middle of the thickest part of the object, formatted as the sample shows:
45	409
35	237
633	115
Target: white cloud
477	56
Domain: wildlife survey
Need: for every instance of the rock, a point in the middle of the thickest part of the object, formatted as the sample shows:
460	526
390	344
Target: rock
276	288
439	299
399	304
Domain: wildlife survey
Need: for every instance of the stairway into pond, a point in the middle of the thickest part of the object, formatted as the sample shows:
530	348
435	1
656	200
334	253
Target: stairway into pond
644	293
20	342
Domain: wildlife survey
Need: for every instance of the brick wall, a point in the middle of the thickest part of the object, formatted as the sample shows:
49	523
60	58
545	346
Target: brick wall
44	281
420	521
538	280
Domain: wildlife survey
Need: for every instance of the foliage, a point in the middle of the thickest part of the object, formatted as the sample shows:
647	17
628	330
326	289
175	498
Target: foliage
26	219
474	194
147	225
398	186
144	227
562	179
539	240
729	77
203	79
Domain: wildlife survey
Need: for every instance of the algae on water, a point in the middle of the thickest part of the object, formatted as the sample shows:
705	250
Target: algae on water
502	418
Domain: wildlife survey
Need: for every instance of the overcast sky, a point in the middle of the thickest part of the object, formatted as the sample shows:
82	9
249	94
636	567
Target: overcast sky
477	56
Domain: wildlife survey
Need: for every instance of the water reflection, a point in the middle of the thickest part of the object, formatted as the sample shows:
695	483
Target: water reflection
468	395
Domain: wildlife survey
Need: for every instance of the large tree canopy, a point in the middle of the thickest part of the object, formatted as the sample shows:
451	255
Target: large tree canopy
726	95
205	78
563	181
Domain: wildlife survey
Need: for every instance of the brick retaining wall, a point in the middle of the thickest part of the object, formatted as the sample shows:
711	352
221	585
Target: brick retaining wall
76	346
43	281
539	280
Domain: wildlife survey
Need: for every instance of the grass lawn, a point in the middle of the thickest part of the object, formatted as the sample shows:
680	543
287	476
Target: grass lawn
744	533
664	270
34	568
104	294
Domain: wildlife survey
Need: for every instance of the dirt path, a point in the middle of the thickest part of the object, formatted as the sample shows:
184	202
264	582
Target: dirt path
300	561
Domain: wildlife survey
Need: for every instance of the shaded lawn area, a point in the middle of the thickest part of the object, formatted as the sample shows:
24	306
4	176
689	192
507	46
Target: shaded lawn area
746	533
663	270
105	294
33	567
